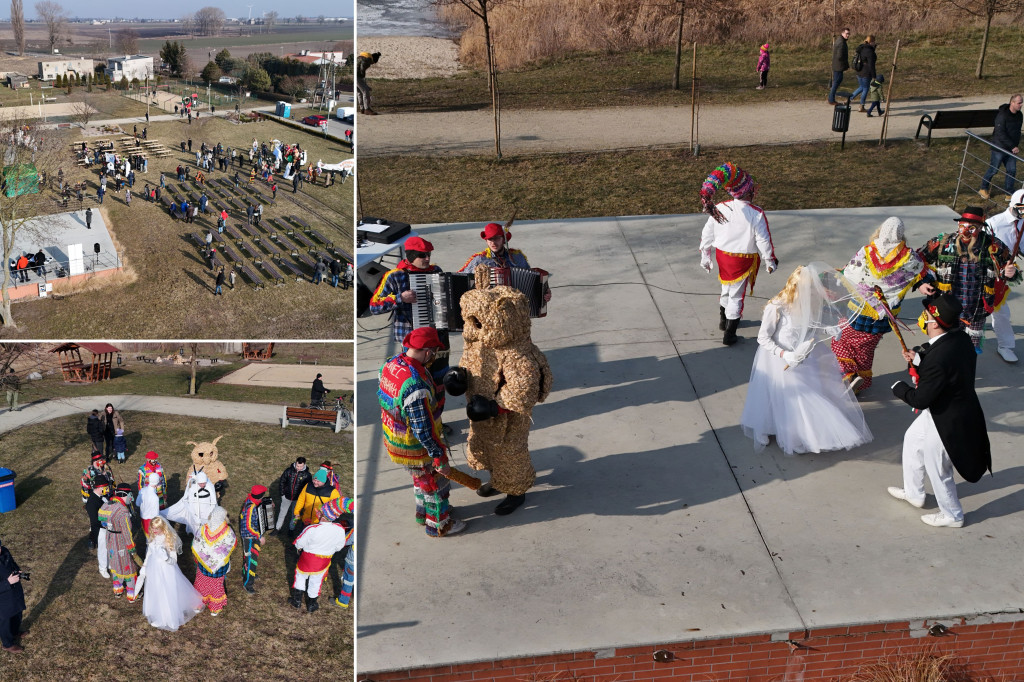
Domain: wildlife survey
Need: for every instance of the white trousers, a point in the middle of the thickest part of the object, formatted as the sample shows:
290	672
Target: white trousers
732	298
923	453
312	587
1003	327
101	552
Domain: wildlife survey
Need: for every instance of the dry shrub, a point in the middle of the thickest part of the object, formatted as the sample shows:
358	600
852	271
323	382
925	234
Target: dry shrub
126	275
526	31
924	666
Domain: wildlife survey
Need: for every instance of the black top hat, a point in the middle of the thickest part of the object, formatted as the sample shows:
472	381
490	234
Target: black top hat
945	308
972	214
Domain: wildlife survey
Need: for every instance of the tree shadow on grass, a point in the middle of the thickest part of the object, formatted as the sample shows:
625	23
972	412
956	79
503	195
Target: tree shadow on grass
198	280
63	578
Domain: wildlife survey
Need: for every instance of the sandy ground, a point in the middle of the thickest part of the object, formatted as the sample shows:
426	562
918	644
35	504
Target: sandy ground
412	57
62	109
336	377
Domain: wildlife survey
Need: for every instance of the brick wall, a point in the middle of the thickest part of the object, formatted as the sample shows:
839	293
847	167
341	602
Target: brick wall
991	646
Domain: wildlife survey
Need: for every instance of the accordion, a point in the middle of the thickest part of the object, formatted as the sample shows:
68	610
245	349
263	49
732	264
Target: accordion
265	515
533	282
437	299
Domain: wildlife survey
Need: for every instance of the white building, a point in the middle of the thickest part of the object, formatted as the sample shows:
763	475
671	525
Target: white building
130	66
50	70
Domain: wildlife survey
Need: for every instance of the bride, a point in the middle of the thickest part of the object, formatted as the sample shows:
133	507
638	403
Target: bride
169	600
796	390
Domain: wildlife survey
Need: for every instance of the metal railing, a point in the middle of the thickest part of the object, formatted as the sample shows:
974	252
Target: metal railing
974	166
56	270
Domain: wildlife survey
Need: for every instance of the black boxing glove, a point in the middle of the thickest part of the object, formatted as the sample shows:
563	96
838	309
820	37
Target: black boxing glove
479	408
456	380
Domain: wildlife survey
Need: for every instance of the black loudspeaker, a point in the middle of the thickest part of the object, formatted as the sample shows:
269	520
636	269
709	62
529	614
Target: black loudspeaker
96	247
367	279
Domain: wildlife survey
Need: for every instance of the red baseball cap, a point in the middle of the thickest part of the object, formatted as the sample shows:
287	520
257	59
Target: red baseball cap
492	230
151	455
418	244
422	337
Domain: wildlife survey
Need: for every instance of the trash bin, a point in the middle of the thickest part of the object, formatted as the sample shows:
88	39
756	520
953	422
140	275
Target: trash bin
6	490
841	118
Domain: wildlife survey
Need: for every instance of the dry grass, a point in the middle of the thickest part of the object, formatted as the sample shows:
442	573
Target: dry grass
79	631
172	293
654	182
924	666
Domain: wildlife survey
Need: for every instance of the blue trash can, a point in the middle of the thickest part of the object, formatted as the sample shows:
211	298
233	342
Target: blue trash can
7	490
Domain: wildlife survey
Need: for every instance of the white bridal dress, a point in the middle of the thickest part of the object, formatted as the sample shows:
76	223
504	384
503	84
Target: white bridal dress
808	407
168	600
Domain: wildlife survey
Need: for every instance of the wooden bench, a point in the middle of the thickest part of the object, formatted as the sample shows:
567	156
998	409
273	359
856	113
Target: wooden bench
251	231
299	221
967	118
230	252
306	414
268	246
250	250
322	239
315	359
306	241
288	265
271	270
255	280
235	234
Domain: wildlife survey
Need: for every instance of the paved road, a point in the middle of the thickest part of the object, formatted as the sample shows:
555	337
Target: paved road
620	128
46	410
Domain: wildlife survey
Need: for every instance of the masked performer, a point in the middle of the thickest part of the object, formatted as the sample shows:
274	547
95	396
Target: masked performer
316	545
796	392
148	501
97	486
970	263
886	262
1007	227
738	236
212	547
195	505
153	466
115	515
252	527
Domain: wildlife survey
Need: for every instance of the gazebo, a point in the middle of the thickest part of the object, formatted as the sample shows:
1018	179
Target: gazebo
255	354
74	370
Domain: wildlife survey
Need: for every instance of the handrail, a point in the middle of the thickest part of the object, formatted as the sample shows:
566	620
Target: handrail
969	165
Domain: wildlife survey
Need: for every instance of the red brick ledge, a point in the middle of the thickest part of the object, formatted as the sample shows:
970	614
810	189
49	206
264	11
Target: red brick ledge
991	644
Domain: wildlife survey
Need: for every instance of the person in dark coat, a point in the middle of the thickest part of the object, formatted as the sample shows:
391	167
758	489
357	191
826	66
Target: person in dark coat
112	421
219	291
866	72
335	272
12	602
840	62
88	218
950	431
1006	141
94	427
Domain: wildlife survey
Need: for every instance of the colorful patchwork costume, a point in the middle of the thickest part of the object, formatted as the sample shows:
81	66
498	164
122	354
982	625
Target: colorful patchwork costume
410	411
737	234
317	545
152	466
251	532
212	546
116	519
333	511
886	262
969	264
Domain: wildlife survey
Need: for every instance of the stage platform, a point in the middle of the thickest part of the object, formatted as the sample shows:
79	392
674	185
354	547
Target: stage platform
652	519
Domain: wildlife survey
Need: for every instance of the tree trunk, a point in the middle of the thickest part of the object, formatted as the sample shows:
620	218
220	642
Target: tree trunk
679	44
496	107
487	44
192	380
990	10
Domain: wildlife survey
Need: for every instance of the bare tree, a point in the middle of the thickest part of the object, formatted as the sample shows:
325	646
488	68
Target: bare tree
18	24
209	20
127	41
270	18
24	160
192	364
82	112
52	14
987	10
482	8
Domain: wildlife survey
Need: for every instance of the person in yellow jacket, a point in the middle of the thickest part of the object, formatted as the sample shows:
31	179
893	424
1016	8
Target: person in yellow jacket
314	495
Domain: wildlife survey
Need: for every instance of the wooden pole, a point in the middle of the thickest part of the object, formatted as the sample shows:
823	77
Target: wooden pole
679	44
495	105
693	102
888	95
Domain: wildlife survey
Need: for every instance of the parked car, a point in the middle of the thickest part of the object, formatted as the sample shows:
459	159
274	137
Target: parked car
315	120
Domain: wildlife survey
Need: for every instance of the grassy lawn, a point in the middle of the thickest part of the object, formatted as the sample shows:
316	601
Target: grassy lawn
142	378
929	66
79	630
171	295
656	182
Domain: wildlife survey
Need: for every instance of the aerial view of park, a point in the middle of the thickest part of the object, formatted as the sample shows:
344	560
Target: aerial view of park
102	115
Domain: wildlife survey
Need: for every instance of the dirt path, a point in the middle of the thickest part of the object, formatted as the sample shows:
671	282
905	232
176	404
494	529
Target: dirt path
614	128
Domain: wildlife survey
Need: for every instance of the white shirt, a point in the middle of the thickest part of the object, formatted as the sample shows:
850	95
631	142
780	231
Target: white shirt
745	230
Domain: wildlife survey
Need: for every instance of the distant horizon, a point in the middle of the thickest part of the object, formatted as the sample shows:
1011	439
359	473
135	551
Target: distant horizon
108	10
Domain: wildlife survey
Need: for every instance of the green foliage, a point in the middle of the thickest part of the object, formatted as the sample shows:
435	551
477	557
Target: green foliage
211	72
223	58
256	79
174	55
276	66
123	83
135	82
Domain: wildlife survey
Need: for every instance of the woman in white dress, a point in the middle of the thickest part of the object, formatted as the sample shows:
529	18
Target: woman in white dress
796	390
169	600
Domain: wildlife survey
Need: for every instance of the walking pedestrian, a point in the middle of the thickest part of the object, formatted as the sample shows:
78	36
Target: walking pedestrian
840	62
763	63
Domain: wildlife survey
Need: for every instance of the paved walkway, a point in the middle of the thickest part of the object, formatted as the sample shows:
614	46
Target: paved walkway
653	519
619	128
38	412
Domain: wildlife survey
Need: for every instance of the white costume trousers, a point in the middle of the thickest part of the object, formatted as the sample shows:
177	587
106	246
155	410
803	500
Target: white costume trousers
1003	327
923	453
732	298
312	587
101	552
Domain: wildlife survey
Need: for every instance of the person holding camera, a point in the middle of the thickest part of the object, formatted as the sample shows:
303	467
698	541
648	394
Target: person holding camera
12	601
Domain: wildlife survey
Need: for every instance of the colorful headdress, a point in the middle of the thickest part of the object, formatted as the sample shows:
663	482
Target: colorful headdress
729	177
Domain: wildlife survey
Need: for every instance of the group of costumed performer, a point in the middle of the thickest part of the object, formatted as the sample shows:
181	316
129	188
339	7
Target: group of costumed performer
212	546
796	390
975	266
252	528
116	518
152	466
896	269
317	544
737	235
